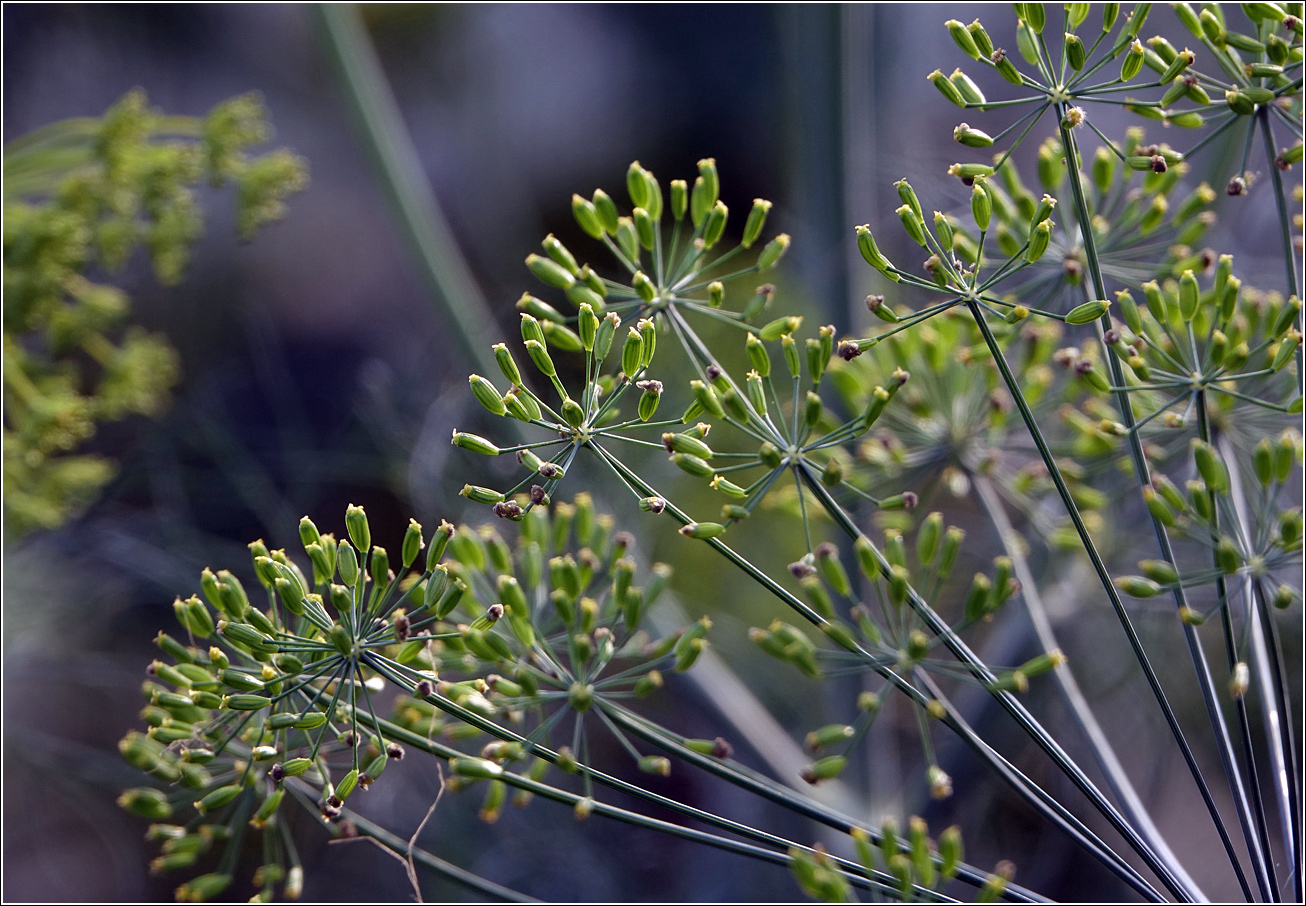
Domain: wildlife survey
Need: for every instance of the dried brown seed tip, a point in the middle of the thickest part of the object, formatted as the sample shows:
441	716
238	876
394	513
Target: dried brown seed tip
507	510
801	570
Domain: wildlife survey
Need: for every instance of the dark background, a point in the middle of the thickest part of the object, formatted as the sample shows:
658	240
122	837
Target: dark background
317	372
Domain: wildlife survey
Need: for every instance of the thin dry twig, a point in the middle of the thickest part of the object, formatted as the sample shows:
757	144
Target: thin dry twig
410	868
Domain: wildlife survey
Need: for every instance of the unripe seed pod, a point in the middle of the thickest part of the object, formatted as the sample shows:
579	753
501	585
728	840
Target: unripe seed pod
1039	238
756	221
1133	62
1088	312
550	271
946	88
1075	53
1138	586
715	224
981	206
586	216
871	252
773	251
963	37
1211	467
703	530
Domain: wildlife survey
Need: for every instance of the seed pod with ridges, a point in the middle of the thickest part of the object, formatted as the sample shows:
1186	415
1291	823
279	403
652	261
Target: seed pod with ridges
631	352
1290	529
715	224
827	560
1132	64
1005	67
645	229
943	229
648	401
1039	238
773	251
558	252
550	271
977	597
981	37
1227	556
756	221
703	530
1044	209
812	410
912	224
606	211
679	198
1074	51
705	192
824	769
1199	498
586	216
480	495
963	37
817	596
1158	507
1287	347
716	294
573	413
637	185
950	851
628	238
1288	316
648	340
790	350
1160	571
1189	293
643	286
654	205
1263	462
970	92
981	206
1088	312
1211	467
946	88
1228	297
1033	15
692	464
686	443
540	356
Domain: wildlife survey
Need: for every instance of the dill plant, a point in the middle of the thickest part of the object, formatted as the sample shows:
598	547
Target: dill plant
1065	361
80	197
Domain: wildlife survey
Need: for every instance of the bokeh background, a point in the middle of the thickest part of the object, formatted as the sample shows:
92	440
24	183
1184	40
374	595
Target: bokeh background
319	370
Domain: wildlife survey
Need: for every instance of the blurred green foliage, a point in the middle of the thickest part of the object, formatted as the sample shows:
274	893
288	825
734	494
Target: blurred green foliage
80	196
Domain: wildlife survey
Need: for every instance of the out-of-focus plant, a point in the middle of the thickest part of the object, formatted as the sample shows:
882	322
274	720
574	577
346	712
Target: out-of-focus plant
80	196
1046	398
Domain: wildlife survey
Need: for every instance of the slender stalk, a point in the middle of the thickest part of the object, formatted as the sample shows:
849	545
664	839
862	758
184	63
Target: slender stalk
1267	661
1258	846
761	786
1106	757
462	876
404	181
1142	473
1013	707
1040	799
855	874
